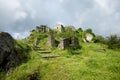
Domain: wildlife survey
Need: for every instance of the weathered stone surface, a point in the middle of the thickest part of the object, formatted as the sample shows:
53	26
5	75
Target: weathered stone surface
8	55
36	42
64	43
59	27
89	37
67	42
75	42
61	45
84	40
51	40
42	28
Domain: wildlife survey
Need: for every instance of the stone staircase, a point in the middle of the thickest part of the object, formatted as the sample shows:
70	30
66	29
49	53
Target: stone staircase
44	53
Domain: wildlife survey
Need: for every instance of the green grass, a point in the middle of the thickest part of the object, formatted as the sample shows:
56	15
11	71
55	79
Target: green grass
89	64
21	72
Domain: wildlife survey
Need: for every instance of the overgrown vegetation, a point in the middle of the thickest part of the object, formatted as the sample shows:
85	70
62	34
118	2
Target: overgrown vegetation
91	61
113	41
23	49
90	64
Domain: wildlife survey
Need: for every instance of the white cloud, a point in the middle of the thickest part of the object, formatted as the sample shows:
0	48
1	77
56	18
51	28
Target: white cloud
61	1
20	35
10	11
19	16
12	4
102	3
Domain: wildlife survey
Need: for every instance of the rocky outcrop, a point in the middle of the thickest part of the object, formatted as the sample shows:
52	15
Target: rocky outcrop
8	55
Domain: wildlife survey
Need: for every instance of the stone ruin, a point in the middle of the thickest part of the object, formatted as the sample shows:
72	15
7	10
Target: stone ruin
89	37
51	40
67	42
42	28
59	27
36	42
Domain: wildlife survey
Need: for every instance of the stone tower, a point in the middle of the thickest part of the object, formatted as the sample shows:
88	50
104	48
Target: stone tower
59	28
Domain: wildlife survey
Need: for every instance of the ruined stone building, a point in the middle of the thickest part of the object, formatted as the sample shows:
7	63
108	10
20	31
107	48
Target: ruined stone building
51	41
59	27
36	42
67	42
42	28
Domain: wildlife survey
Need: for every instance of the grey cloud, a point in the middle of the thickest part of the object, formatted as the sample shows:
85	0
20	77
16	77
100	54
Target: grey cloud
20	16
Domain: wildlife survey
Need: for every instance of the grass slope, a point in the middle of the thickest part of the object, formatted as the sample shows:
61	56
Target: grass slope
89	64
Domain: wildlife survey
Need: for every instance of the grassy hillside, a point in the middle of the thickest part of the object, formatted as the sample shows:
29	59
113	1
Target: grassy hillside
93	61
89	64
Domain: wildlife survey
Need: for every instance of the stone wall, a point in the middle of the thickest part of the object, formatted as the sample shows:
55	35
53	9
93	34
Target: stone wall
42	28
67	42
75	42
51	40
36	42
59	27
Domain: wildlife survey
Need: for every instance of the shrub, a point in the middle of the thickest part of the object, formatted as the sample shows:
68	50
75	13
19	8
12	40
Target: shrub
99	39
113	42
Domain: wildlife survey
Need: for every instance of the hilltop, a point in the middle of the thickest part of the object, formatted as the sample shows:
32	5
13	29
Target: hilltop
64	53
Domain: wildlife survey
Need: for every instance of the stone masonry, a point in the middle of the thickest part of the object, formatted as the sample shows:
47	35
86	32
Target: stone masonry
59	27
89	37
42	28
51	40
67	42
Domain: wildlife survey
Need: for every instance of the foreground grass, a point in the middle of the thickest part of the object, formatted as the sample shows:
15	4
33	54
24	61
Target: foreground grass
89	64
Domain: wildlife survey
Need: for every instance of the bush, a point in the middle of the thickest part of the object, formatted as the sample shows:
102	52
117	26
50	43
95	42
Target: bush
99	39
113	42
68	32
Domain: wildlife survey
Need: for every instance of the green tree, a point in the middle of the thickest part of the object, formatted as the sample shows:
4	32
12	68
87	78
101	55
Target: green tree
113	42
68	32
80	29
99	39
88	30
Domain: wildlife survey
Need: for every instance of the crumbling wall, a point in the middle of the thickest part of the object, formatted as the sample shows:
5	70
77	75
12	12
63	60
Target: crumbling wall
51	40
68	42
42	28
59	27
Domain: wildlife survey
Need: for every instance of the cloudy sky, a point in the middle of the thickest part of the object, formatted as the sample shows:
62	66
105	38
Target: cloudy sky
18	17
